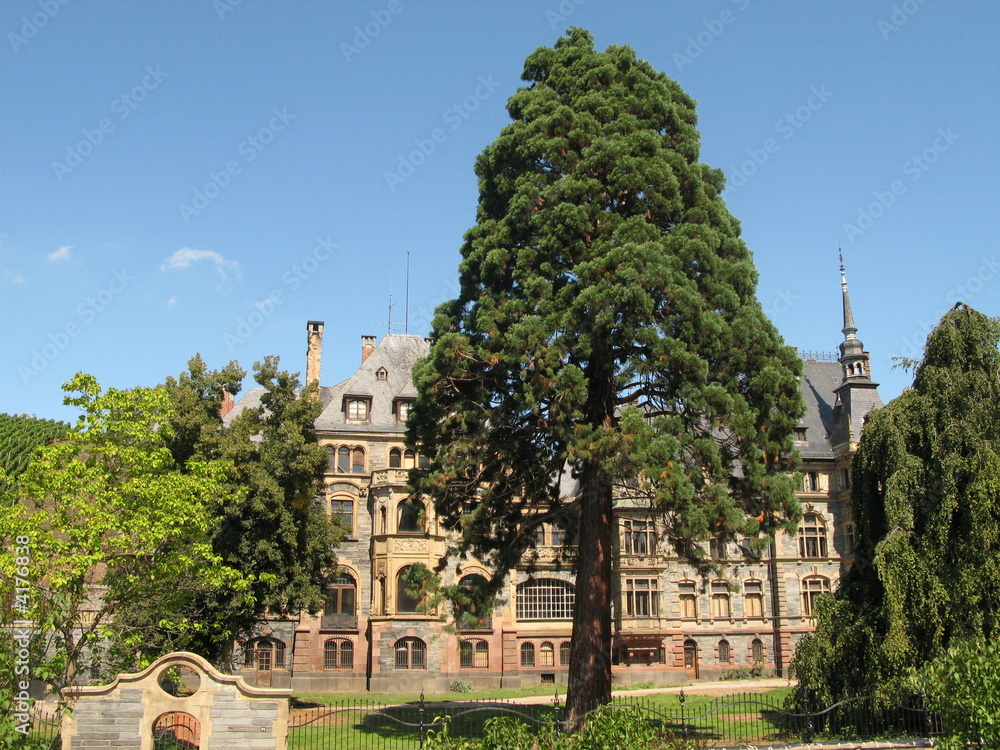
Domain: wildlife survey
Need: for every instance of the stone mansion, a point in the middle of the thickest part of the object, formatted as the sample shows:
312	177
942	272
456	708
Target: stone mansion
670	624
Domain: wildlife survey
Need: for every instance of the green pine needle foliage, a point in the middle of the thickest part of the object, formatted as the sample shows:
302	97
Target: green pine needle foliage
926	502
19	435
607	324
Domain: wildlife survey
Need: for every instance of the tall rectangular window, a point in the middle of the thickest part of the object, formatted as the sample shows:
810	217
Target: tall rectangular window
753	599
688	601
642	597
720	600
640	537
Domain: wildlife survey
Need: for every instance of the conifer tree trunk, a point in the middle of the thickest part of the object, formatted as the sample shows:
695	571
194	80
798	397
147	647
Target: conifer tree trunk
590	661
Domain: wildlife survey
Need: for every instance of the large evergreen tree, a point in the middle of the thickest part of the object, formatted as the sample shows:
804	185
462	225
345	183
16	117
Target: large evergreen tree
606	326
926	503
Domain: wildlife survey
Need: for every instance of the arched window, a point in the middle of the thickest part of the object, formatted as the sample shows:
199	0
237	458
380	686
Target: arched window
395	458
545	599
469	614
264	654
331	458
338	653
757	650
527	654
409	458
690	654
564	653
548	655
404	602
411	653
343	460
177	729
474	653
341	595
383	517
723	652
411	517
720	599
358	461
812	588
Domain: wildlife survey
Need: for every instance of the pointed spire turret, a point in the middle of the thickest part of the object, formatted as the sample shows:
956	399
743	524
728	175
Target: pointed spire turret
853	357
849	327
856	394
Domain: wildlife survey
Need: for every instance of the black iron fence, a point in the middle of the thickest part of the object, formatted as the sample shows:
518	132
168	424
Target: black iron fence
732	720
43	733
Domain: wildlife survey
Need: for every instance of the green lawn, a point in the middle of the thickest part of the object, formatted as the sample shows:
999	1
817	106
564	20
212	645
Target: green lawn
362	727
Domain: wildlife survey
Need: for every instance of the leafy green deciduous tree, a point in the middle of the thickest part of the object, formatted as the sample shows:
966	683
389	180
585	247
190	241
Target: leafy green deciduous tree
926	500
269	527
105	520
607	326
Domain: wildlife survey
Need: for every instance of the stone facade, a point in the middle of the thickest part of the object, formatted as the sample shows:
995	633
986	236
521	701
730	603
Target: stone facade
671	625
181	694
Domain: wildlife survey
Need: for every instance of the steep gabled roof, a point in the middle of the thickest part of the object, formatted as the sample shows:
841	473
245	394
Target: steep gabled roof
396	355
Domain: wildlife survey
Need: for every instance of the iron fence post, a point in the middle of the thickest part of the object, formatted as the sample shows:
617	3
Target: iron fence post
684	726
558	713
420	714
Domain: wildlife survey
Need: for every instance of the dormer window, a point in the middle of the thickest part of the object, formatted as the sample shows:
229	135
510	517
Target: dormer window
357	409
800	434
403	410
382	375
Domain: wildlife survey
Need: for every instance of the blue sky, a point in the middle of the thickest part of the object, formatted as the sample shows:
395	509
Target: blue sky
207	176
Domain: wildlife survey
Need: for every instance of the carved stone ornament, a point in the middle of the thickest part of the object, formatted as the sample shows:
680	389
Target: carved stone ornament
410	545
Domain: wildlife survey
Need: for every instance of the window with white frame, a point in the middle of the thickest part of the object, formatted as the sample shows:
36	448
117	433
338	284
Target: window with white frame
545	599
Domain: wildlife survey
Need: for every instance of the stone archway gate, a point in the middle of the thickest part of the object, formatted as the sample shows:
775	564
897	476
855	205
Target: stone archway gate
215	712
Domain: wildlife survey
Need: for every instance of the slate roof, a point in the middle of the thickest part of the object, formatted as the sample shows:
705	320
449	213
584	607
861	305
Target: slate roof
249	400
397	353
826	422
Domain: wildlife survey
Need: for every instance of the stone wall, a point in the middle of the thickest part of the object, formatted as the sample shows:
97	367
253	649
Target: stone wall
221	711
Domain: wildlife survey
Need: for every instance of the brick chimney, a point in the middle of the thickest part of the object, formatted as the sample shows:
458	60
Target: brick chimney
227	403
367	347
314	350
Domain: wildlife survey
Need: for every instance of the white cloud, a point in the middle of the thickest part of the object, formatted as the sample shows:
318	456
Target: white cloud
171	302
11	277
183	258
60	254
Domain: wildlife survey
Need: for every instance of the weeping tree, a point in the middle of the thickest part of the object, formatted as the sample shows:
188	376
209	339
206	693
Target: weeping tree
607	330
926	504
